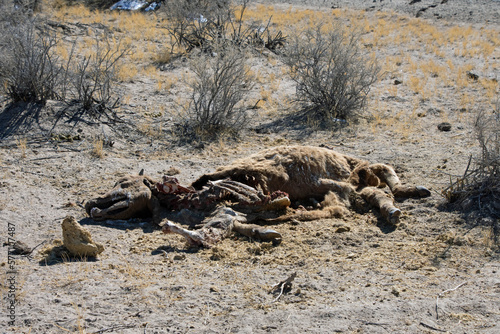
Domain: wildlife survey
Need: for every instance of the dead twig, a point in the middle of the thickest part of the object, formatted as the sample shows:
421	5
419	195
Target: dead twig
283	286
430	327
113	328
369	323
442	293
29	256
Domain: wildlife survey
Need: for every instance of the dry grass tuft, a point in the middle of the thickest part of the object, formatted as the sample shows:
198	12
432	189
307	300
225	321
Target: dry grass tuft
98	148
22	146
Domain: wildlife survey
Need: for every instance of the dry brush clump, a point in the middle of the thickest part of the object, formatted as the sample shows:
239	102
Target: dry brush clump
479	188
220	83
202	24
93	77
31	69
332	73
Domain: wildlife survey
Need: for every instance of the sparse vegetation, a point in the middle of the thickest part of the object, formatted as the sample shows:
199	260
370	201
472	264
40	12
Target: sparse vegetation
202	23
29	67
479	187
98	148
93	78
31	70
219	86
332	73
21	145
51	160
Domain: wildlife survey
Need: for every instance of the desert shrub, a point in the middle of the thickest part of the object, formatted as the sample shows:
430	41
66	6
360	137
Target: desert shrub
99	4
92	78
219	85
31	71
479	187
478	190
29	66
332	74
27	6
201	23
192	22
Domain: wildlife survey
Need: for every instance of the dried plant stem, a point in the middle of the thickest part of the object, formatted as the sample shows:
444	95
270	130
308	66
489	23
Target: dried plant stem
442	293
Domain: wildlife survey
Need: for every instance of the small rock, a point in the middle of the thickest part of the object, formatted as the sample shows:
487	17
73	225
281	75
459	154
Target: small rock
445	126
343	229
434	111
472	76
395	292
179	257
429	269
19	248
398	82
173	171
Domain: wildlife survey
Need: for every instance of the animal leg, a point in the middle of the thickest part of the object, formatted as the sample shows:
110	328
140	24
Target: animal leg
332	205
379	199
155	207
215	228
192	237
387	175
342	189
256	232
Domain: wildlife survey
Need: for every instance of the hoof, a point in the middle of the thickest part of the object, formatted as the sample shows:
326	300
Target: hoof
394	215
95	213
423	191
411	192
267	235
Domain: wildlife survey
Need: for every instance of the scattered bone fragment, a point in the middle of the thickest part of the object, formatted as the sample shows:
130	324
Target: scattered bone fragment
18	248
283	286
78	240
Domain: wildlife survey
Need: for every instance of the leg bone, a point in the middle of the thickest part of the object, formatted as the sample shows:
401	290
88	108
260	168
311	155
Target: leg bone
192	237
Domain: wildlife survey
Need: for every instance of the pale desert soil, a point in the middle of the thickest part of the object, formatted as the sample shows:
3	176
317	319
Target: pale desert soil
367	277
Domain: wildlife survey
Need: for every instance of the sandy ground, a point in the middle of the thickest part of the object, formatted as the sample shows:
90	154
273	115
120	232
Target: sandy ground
471	11
434	272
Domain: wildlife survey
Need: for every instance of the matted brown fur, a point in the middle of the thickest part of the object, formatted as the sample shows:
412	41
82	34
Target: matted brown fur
296	170
306	172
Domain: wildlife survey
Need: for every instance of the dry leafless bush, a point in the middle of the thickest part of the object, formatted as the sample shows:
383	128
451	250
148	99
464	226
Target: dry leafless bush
29	67
26	6
31	71
92	79
219	86
479	188
332	74
99	4
201	23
